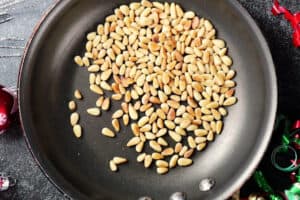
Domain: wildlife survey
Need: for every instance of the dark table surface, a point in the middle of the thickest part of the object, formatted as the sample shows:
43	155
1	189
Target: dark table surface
15	158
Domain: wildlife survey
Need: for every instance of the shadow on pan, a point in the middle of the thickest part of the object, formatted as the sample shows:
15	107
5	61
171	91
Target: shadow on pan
79	168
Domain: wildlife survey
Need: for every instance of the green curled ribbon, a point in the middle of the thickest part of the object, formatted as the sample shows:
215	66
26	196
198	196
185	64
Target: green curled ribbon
294	192
265	186
284	149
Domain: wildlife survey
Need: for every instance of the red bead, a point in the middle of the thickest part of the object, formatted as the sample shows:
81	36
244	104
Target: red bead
6	104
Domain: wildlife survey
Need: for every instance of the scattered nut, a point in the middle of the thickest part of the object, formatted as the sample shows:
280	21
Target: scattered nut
107	132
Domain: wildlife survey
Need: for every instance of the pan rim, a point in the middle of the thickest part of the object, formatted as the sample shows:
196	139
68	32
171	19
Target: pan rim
270	120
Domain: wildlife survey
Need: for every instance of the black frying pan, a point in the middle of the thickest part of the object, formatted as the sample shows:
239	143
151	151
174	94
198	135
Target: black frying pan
79	168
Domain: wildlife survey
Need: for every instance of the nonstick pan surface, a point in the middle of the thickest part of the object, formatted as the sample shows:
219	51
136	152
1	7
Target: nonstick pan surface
48	77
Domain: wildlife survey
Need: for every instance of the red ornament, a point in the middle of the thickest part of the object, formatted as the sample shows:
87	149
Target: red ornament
294	20
8	108
296	124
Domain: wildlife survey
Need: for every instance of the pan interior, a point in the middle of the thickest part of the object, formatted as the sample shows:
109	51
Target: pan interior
80	167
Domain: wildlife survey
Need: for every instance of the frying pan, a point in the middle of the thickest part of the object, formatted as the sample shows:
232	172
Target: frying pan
79	168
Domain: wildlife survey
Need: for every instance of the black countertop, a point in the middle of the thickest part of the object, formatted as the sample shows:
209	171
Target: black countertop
15	158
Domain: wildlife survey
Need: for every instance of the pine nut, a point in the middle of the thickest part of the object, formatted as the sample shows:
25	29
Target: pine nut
219	127
139	147
78	61
230	101
117	114
116	125
184	162
178	147
78	95
168	151
162	141
188	153
107	132
96	89
133	141
161	163
155	146
173	161
74	118
162	170
94	111
141	157
77	130
132	113
201	146
147	161
191	142
113	167
72	105
176	137
119	160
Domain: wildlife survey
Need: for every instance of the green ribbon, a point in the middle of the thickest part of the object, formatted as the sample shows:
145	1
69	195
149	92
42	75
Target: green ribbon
265	186
262	182
294	192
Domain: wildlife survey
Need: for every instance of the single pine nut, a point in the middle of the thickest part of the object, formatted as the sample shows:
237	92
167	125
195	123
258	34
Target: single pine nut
74	118
219	127
119	160
191	142
155	146
96	89
184	162
135	129
94	111
230	101
125	119
168	151
201	146
162	170
132	113
117	114
199	140
139	147
107	132
133	141
161	163
72	105
176	137
78	61
162	141
183	150
188	153
147	161
113	167
78	95
77	130
141	157
116	125
173	161
178	147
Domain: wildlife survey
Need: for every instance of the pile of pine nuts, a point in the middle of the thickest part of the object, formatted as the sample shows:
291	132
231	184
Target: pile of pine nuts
171	75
